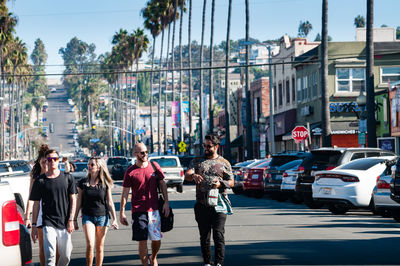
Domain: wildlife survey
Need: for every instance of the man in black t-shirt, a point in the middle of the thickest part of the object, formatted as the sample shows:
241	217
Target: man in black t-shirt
57	191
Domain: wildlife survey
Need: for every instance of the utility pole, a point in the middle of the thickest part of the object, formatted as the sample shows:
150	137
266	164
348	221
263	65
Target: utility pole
325	119
227	151
249	129
271	103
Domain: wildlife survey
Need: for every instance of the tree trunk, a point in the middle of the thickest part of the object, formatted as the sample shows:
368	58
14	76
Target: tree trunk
371	122
211	100
159	95
325	119
151	97
227	150
173	76
166	96
190	75
201	76
181	120
249	124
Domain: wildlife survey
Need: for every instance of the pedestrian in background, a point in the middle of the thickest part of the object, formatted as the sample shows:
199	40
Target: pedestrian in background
141	179
211	172
38	169
95	200
56	190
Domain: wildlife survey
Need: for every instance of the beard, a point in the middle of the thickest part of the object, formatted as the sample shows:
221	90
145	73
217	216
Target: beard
208	153
142	159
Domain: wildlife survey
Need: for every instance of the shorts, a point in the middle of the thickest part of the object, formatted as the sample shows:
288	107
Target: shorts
146	226
96	220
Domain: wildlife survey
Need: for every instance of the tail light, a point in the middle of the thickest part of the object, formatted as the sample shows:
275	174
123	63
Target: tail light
330	167
245	174
285	174
383	184
268	176
182	173
344	178
10	223
300	169
238	172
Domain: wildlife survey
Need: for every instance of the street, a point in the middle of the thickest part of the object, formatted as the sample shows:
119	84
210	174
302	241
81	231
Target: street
260	232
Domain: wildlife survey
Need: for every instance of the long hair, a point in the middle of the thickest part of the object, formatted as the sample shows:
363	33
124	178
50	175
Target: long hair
104	176
37	169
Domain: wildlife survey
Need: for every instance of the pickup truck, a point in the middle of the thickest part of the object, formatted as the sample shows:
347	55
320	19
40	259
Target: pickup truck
15	243
16	173
172	169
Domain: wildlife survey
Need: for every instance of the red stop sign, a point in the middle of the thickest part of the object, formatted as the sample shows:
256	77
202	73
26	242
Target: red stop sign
299	133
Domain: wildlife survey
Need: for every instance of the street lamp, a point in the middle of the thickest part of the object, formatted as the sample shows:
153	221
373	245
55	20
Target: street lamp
362	125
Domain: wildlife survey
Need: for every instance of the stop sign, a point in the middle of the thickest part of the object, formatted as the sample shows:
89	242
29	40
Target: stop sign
299	133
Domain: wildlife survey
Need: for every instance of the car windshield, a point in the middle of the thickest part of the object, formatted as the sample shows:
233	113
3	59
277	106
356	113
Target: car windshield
80	167
291	165
166	162
279	160
323	158
264	164
243	164
112	161
361	164
20	166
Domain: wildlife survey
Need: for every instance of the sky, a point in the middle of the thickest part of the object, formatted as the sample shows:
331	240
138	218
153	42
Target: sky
96	21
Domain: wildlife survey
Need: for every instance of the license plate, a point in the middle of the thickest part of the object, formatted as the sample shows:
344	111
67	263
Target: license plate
254	177
326	191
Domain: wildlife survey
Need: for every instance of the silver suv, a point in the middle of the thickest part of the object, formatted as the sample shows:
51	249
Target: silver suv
172	169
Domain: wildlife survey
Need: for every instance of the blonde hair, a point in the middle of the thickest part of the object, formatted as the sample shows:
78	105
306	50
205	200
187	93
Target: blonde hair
104	176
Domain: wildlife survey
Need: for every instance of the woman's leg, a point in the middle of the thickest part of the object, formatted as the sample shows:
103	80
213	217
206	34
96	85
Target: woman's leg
101	232
89	230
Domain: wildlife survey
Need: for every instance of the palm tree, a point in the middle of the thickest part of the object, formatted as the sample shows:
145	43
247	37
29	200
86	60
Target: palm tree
181	136
211	100
304	28
359	21
227	103
190	74
371	122
201	75
152	23
325	119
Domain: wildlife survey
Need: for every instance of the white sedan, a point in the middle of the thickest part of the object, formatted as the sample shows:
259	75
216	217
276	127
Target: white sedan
349	185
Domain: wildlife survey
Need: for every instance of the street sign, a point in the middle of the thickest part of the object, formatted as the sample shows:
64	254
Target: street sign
182	146
299	133
94	140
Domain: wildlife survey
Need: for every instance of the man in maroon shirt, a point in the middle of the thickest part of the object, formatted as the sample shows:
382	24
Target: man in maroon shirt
146	222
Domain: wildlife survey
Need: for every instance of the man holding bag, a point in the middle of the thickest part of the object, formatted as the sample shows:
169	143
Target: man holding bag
146	220
212	175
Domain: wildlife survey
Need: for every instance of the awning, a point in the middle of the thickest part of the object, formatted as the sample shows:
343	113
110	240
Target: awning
238	142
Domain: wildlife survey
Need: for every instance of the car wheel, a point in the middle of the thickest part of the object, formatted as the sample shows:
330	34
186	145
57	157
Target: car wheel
237	190
282	197
179	188
259	194
373	207
396	215
310	203
338	208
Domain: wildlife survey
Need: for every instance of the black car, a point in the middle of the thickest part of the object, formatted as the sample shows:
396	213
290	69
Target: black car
273	179
117	166
326	159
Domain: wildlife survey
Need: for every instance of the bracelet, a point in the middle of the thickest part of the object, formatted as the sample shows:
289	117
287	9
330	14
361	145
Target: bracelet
34	224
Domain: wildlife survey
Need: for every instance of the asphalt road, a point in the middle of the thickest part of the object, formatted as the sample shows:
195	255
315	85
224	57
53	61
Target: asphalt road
262	232
58	114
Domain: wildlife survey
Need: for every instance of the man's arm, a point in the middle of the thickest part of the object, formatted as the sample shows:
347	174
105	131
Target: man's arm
70	224
35	213
124	199
164	192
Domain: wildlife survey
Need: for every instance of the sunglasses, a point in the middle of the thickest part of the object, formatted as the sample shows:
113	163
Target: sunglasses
55	159
143	152
92	164
207	146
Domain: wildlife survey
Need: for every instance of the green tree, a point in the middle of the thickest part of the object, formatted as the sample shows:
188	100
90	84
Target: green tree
304	28
143	87
359	21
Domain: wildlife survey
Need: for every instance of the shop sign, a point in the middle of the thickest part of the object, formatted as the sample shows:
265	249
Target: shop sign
343	107
388	144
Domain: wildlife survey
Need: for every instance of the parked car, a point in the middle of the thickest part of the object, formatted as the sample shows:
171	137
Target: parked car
273	177
15	244
395	189
381	202
253	184
350	185
288	185
117	166
16	173
240	173
326	159
81	169
172	169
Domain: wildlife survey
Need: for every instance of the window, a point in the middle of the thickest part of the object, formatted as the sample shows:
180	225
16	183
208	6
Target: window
357	155
293	90
305	87
315	84
166	162
390	74
287	91
299	90
280	94
274	95
361	164
350	79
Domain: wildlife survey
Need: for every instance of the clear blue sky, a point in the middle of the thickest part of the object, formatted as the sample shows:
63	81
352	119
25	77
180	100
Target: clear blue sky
95	21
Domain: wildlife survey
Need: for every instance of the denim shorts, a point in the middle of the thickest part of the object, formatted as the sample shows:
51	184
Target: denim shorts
96	220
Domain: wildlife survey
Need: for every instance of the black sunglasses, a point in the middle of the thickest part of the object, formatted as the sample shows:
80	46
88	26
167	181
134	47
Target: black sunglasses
143	152
208	146
91	164
55	159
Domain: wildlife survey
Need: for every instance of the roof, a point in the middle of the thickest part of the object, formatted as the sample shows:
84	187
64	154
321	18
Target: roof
387	47
306	56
